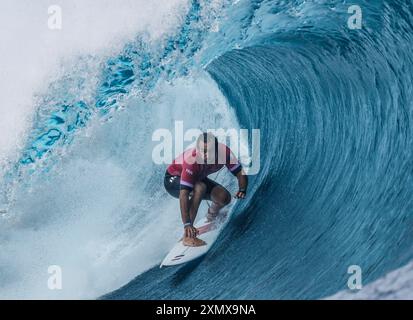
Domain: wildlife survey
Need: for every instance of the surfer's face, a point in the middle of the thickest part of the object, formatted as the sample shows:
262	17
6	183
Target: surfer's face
206	150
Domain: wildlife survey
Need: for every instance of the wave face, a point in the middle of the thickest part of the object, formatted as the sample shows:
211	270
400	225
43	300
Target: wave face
334	107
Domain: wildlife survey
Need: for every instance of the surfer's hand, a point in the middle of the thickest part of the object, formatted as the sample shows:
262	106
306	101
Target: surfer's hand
240	194
191	232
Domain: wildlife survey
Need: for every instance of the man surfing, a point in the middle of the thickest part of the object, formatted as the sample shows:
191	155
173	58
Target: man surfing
187	179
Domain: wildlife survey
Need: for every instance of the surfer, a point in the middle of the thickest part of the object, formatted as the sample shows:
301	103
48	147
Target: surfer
187	179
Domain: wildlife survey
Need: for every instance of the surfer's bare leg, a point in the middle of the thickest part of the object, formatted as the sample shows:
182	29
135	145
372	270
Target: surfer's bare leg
220	198
198	193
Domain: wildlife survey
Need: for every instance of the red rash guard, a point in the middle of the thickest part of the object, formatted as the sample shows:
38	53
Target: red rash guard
191	171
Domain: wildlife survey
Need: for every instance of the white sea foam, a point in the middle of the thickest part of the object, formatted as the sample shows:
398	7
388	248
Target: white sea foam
31	53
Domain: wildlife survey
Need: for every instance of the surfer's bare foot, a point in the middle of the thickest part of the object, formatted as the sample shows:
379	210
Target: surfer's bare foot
193	242
211	215
215	216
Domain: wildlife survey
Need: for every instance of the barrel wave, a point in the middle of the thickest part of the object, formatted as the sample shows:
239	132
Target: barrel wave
334	108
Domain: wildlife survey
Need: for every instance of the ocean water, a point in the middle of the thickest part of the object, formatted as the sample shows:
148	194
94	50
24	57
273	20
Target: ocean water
80	189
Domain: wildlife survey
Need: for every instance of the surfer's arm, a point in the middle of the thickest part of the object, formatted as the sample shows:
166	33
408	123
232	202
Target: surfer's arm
187	185
190	231
184	203
242	184
235	167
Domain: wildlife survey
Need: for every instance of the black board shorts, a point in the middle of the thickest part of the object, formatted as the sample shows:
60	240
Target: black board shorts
173	185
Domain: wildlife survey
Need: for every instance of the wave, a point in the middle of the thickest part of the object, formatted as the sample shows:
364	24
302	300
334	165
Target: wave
334	189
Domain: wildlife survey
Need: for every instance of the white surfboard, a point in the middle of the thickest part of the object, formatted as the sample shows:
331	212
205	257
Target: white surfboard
208	231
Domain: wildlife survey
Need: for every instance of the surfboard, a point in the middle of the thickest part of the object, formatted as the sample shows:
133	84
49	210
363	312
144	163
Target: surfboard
208	231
